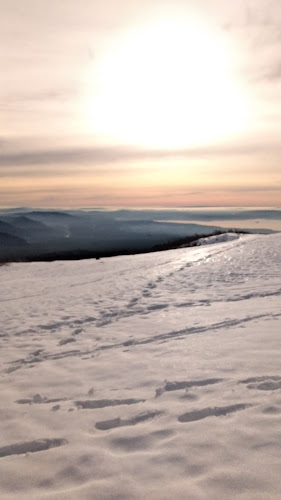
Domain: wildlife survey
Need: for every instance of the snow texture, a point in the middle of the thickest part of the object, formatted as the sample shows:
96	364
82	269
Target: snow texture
217	238
152	376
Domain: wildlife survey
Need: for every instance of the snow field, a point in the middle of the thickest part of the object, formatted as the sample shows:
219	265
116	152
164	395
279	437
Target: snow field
153	376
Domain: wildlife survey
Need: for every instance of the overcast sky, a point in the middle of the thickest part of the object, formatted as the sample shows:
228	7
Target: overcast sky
140	103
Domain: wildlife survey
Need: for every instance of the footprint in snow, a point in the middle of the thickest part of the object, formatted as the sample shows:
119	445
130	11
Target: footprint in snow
263	383
186	384
119	422
31	446
216	411
103	403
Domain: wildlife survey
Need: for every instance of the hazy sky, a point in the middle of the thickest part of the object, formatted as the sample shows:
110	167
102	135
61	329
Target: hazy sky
140	102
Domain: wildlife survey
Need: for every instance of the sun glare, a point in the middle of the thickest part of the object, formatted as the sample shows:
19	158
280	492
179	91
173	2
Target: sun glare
167	84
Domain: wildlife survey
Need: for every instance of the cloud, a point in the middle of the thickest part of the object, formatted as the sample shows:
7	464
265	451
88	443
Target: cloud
112	154
32	171
51	94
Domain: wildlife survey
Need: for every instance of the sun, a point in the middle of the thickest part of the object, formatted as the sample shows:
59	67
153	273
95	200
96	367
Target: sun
167	84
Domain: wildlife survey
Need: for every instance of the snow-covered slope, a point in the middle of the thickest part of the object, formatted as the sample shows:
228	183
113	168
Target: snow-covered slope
153	376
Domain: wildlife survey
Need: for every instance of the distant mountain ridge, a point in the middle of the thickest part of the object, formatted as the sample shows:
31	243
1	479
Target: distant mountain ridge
73	234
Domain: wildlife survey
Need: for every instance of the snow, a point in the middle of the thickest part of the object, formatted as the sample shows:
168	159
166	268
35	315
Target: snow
217	238
153	376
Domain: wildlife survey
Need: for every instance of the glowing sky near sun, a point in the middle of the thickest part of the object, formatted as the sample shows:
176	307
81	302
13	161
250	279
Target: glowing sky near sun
140	103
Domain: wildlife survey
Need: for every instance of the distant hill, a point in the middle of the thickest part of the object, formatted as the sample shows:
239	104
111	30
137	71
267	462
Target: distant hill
6	227
28	224
9	239
49	214
57	234
12	247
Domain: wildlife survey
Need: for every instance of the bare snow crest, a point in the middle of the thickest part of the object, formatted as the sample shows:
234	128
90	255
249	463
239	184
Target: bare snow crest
217	238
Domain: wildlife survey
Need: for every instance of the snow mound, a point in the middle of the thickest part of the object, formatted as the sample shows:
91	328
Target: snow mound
217	238
153	376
